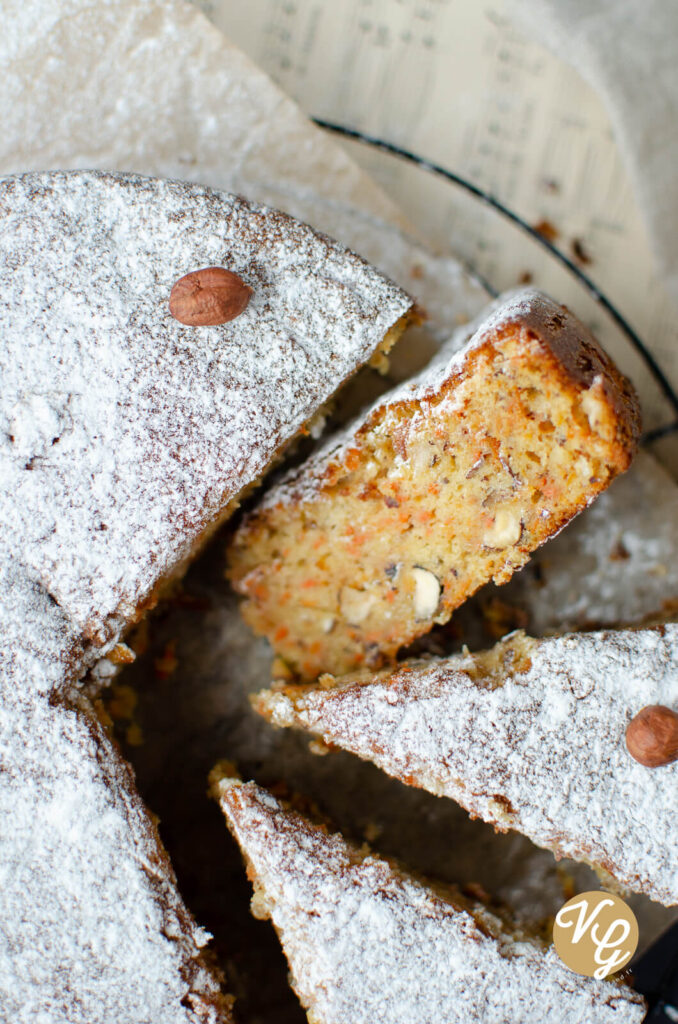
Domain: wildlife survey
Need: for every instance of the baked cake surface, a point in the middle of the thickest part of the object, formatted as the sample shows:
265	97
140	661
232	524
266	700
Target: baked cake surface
366	942
446	483
528	736
167	421
153	101
125	437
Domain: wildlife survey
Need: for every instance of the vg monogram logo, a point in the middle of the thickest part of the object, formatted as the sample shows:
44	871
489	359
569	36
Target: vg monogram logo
595	934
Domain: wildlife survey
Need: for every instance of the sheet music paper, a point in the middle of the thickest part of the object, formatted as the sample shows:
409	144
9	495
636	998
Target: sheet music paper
452	81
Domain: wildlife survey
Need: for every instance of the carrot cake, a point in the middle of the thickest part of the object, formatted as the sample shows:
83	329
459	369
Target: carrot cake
446	483
126	437
367	942
528	736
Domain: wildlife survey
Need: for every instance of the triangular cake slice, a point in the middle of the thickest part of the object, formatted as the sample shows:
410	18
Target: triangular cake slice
175	76
528	736
367	942
447	482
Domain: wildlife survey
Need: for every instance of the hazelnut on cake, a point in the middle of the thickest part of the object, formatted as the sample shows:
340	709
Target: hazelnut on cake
126	437
447	482
186	103
368	942
530	735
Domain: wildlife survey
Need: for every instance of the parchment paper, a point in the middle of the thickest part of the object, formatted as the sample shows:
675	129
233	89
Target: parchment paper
153	87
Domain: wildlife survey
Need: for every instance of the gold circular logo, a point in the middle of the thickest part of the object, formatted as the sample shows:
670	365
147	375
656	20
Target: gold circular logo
595	934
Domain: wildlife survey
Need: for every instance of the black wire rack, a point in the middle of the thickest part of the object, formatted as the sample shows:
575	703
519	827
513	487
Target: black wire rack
489	200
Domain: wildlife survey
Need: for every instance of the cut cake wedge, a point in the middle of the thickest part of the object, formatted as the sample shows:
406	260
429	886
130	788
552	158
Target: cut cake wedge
367	943
447	482
527	736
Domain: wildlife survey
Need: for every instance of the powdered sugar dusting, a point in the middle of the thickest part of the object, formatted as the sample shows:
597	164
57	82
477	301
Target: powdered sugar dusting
531	311
93	928
543	752
123	436
367	943
168	95
94	256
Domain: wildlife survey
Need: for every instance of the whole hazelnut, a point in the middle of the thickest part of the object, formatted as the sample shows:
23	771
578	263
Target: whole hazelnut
652	736
208	297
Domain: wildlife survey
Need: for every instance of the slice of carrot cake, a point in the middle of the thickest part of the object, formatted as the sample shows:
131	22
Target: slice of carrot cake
368	942
448	482
530	735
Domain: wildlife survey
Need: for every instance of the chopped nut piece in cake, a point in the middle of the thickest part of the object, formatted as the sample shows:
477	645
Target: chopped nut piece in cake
530	736
444	484
368	942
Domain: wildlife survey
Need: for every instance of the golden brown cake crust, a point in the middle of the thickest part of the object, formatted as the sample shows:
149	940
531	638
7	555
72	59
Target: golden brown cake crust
578	352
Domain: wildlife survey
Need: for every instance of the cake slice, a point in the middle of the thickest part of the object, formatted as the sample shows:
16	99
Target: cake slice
446	483
528	736
367	942
162	114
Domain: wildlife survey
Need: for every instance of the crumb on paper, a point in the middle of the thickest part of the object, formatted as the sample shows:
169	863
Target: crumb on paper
501	618
122	702
619	552
547	230
567	881
372	831
580	252
134	736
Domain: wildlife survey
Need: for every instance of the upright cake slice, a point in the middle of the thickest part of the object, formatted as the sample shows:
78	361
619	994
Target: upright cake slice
367	942
446	483
528	736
